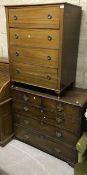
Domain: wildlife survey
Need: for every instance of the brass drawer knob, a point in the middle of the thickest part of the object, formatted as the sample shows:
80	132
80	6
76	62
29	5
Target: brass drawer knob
15	17
17	53
17	71
49	38
49	57
60	107
26	108
26	137
49	77
26	122
58	134
16	36
25	98
57	150
42	111
59	120
49	16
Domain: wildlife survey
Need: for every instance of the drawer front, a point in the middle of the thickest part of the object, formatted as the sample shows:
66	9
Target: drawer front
59	149
35	56
62	108
27	110
63	122
38	76
42	127
27	98
35	17
35	38
52	118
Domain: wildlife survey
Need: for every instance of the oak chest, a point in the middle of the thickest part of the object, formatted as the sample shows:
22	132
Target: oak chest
49	123
6	129
43	44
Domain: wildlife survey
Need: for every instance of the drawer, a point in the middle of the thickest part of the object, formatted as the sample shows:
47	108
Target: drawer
60	149
27	109
27	98
35	56
63	121
42	127
61	108
35	17
38	76
35	38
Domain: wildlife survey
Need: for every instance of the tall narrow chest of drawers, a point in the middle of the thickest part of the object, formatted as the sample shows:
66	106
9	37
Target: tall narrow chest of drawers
47	122
43	44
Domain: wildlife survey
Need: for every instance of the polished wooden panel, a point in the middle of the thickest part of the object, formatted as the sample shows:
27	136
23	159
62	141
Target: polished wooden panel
54	118
38	76
6	129
35	17
27	98
60	149
35	56
42	127
35	38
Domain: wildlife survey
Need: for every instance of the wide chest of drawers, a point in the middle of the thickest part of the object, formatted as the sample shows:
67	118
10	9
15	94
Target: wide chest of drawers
6	129
47	122
43	44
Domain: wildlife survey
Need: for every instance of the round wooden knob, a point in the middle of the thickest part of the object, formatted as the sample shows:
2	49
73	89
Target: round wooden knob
49	77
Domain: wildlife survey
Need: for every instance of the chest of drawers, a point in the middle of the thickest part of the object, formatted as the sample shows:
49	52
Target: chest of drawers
43	44
6	129
49	123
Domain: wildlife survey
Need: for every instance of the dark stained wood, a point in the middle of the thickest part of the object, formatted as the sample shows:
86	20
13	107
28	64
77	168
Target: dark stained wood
70	41
60	149
6	129
57	119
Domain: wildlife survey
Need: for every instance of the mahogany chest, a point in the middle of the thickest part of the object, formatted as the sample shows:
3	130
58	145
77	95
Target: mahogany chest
43	44
6	129
47	122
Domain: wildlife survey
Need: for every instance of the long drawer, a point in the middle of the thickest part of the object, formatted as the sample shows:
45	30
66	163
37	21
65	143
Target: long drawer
48	130
63	121
38	76
34	38
60	149
35	16
35	56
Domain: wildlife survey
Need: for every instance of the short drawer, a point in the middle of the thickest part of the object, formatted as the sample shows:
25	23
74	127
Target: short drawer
38	76
60	149
35	56
34	38
62	108
26	98
35	17
27	109
42	127
63	121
